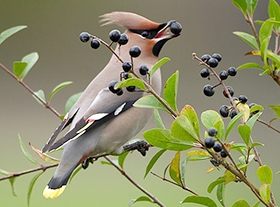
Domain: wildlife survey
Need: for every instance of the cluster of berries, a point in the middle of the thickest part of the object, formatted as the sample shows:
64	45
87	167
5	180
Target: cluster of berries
114	35
213	61
210	142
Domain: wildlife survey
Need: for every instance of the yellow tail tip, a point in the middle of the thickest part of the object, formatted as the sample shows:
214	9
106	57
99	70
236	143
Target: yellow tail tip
53	193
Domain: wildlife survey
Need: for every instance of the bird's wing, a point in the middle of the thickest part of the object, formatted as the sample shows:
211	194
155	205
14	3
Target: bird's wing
66	121
105	107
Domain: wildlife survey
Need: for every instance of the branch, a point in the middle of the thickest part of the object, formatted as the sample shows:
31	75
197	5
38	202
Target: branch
43	168
170	181
155	200
252	26
268	125
48	106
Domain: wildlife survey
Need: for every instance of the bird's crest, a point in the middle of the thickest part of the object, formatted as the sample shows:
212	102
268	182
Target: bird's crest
128	20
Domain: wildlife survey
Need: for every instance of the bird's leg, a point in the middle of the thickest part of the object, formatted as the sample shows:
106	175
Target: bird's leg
141	146
92	159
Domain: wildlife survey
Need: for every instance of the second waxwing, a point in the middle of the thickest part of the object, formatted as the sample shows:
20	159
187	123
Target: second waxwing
100	121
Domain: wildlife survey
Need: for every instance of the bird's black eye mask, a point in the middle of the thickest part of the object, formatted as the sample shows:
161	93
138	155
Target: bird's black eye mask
149	34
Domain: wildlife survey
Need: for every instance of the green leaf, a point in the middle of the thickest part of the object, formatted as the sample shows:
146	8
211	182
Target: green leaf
183	169
232	123
220	193
257	204
25	152
158	119
44	156
130	82
251	5
163	138
171	89
274	11
219	125
41	94
150	102
240	203
183	130
12	182
142	198
209	118
19	68
71	101
250	65
122	158
189	112
265	30
58	87
174	169
76	172
265	192
30	188
241	5
157	66
256	144
249	39
200	200
153	161
276	109
9	32
215	183
30	59
253	119
273	56
245	133
265	174
256	108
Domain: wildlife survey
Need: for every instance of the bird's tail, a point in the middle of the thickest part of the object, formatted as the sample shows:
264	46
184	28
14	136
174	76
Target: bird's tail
57	184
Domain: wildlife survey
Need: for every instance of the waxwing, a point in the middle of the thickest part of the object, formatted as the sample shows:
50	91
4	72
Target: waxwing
102	122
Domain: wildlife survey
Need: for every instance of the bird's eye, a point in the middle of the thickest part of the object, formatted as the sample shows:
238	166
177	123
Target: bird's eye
145	34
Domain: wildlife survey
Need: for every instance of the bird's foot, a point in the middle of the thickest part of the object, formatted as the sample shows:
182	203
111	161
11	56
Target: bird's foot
86	162
141	146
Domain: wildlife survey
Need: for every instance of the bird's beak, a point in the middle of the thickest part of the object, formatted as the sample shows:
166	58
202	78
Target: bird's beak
162	36
164	33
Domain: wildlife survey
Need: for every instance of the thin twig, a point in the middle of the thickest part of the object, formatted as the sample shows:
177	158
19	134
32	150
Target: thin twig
31	91
252	26
268	125
43	168
155	200
170	181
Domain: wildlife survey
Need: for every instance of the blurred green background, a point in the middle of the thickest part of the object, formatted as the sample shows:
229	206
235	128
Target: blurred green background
53	31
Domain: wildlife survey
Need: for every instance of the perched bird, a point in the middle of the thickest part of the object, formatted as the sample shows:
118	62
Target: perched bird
102	122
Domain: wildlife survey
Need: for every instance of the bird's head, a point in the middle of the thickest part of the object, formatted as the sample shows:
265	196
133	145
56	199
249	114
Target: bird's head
146	34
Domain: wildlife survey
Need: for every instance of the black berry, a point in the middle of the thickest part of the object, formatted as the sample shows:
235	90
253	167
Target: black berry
115	35
224	111
217	56
204	73
84	37
230	90
95	43
135	51
123	39
213	62
120	92
209	142
126	66
143	70
223	75
130	88
232	71
208	90
111	87
217	147
223	153
251	105
243	99
205	58
233	113
212	132
175	28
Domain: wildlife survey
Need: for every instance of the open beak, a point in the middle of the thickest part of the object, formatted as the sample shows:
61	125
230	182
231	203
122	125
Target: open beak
165	33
